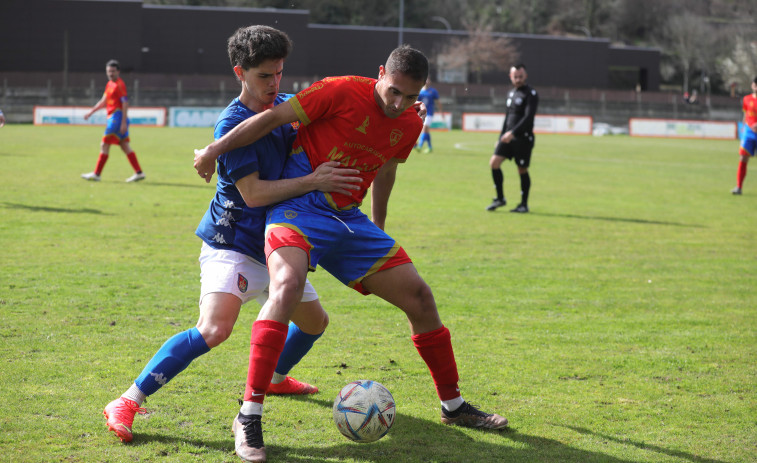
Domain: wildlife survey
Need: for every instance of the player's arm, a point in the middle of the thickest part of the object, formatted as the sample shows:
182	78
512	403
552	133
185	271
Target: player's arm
248	132
328	177
98	106
381	189
124	114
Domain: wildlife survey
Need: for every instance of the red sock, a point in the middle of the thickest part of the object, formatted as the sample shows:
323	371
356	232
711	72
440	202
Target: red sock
435	348
741	174
266	343
101	163
132	157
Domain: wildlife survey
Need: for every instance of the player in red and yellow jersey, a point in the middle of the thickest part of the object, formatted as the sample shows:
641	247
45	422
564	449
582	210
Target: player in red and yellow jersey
369	125
116	103
749	140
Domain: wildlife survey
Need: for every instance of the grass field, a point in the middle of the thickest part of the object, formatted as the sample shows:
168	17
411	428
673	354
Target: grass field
614	323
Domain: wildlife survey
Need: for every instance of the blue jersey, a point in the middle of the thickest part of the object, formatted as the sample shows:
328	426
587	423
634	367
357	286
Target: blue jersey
229	223
428	96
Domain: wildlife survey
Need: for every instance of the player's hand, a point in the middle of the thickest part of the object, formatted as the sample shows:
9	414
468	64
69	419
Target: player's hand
204	164
420	108
507	137
331	177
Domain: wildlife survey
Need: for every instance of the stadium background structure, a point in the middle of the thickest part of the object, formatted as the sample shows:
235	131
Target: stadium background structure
169	53
160	39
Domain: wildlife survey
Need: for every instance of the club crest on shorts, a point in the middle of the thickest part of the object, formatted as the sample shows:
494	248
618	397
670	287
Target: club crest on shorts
290	214
395	136
241	283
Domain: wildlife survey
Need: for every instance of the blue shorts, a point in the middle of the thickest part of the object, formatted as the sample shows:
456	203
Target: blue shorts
748	142
346	244
112	135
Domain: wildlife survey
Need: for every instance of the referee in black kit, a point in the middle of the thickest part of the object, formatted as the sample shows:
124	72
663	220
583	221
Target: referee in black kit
516	139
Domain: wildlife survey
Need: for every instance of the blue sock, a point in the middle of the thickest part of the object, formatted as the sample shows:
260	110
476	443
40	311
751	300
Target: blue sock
298	344
426	138
171	359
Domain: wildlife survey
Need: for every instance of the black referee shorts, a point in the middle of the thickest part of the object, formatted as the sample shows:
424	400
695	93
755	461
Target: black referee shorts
519	149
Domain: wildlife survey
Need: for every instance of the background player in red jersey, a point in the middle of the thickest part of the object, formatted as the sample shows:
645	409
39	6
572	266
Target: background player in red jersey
116	103
749	140
365	124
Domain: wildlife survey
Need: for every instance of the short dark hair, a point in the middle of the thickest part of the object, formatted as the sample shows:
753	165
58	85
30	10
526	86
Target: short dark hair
408	61
113	64
755	80
250	46
520	66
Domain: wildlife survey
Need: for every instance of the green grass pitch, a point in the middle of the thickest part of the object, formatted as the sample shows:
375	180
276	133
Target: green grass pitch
616	322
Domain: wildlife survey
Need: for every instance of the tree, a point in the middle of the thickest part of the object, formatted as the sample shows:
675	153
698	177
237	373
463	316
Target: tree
689	42
740	66
480	51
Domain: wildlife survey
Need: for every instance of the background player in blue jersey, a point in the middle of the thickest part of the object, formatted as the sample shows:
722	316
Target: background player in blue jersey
232	260
430	97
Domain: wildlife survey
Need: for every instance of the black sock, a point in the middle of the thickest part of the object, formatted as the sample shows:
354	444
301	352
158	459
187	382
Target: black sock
525	186
499	180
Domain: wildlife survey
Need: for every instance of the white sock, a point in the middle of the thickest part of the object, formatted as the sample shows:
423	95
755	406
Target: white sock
251	408
454	404
278	378
133	393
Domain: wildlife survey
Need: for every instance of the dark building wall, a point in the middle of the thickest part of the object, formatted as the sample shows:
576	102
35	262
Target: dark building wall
192	40
561	62
40	35
640	63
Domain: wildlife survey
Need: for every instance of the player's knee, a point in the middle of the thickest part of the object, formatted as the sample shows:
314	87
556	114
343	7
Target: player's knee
324	321
286	289
214	333
423	300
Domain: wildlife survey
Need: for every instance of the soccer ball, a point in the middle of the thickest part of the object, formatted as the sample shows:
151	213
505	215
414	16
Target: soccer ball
364	411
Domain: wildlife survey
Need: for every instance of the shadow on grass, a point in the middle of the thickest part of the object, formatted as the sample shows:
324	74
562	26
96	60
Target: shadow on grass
618	219
643	446
224	446
64	210
418	440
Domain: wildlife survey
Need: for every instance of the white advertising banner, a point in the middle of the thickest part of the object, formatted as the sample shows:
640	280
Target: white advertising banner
180	116
543	123
74	115
441	121
673	128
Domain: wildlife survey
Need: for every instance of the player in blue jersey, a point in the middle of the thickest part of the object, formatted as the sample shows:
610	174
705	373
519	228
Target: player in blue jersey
430	97
232	258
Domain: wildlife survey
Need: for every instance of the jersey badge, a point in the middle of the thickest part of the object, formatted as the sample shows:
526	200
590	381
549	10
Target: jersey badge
395	136
363	127
241	283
